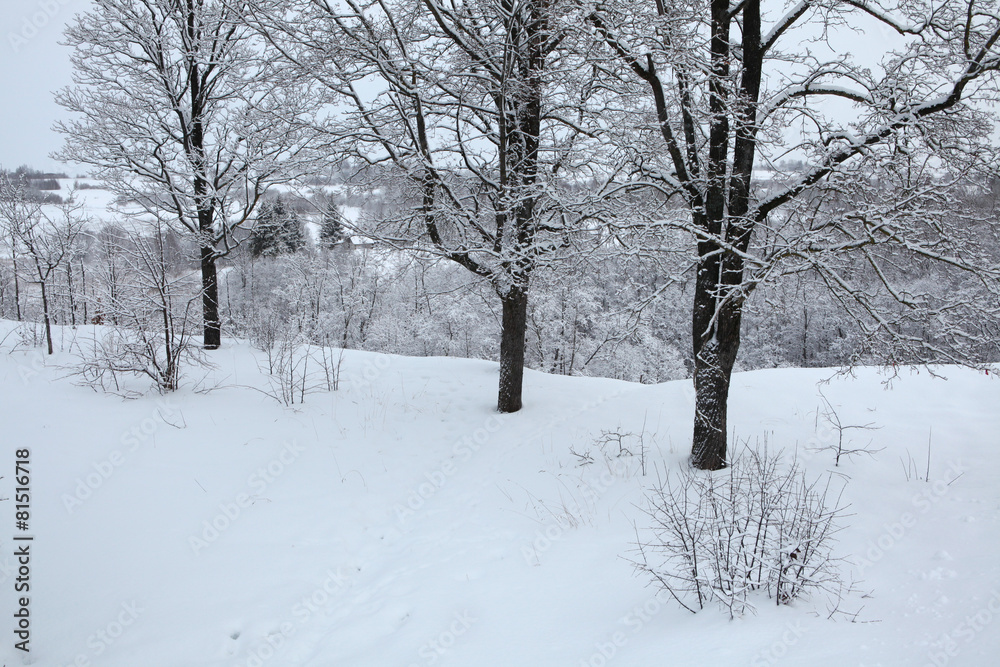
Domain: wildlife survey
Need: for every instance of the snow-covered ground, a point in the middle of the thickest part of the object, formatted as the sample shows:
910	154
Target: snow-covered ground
100	207
98	203
401	521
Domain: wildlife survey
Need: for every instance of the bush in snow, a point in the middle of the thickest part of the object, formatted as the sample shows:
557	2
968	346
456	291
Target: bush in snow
147	304
758	527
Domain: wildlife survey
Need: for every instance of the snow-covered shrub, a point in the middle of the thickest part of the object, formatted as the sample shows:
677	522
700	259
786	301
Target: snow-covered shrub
115	353
757	528
290	376
146	301
30	334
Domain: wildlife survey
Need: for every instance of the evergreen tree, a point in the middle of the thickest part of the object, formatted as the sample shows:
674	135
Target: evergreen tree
278	230
331	228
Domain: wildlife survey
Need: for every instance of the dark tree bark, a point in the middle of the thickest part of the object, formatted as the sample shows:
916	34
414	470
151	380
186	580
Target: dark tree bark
210	300
515	322
45	317
716	336
69	291
194	144
83	291
17	283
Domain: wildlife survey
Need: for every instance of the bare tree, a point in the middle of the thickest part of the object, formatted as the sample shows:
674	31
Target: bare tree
11	238
177	109
48	239
711	91
474	115
146	307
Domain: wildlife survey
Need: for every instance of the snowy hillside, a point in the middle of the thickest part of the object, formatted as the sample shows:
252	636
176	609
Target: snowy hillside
401	521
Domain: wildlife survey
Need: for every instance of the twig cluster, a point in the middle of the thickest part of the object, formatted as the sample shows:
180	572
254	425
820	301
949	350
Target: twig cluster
295	367
758	527
840	448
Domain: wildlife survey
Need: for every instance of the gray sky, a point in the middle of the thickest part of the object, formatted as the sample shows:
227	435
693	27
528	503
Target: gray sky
32	67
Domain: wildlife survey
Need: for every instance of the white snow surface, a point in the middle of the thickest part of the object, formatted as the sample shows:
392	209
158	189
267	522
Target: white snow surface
401	521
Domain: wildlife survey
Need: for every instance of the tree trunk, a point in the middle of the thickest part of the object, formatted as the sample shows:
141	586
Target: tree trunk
716	335
17	283
805	335
45	316
203	196
69	288
210	299
83	291
515	320
711	383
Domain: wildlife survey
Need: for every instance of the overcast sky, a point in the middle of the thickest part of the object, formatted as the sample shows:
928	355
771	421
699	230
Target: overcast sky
32	67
